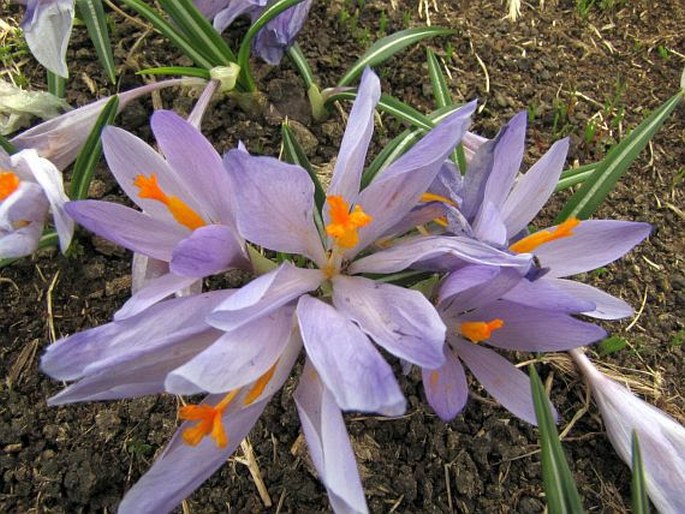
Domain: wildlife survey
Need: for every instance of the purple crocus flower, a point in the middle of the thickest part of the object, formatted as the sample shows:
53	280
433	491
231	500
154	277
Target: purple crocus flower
188	221
662	439
30	187
47	28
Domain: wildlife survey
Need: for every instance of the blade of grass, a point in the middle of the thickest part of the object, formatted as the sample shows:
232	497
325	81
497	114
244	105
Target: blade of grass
56	84
391	105
89	156
186	71
6	145
638	487
388	46
93	15
560	488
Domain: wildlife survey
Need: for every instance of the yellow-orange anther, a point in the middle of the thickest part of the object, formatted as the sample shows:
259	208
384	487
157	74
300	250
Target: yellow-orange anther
209	421
259	385
9	183
344	224
184	214
432	197
531	242
477	331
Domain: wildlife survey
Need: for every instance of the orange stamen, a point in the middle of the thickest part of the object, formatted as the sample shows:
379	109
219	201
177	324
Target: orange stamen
432	197
209	421
477	331
9	182
344	224
531	242
181	211
260	384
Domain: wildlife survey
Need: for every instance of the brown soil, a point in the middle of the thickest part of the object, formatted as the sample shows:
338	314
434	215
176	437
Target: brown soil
613	66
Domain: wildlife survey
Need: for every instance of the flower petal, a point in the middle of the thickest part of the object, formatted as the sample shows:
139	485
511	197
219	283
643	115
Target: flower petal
349	365
47	27
475	285
400	320
446	387
207	251
606	306
329	444
545	293
155	290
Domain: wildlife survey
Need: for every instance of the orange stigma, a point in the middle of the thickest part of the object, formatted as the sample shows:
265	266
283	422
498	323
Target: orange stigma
478	331
259	385
184	214
432	197
531	242
344	224
209	421
9	182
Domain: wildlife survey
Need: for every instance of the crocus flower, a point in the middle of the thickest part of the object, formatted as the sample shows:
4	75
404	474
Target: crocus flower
30	187
47	28
187	221
662	439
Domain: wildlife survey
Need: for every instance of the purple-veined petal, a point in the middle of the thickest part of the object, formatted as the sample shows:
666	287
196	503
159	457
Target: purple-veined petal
162	324
606	306
446	387
232	9
412	251
47	27
350	163
397	190
236	358
328	442
202	171
279	33
349	365
504	381
488	226
156	289
593	244
546	294
127	227
264	295
208	250
473	286
400	320
182	468
275	204
532	190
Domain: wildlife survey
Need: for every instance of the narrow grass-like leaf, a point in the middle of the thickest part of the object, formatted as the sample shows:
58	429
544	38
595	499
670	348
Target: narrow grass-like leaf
93	15
390	105
560	488
267	15
90	154
638	487
198	31
574	176
185	71
6	145
173	34
593	191
300	61
293	153
56	84
388	46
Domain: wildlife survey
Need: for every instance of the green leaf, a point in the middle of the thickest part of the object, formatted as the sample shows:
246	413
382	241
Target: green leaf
93	15
638	486
388	46
573	176
6	145
560	488
392	106
267	15
612	344
56	84
90	154
302	65
186	71
198	31
598	185
293	153
173	34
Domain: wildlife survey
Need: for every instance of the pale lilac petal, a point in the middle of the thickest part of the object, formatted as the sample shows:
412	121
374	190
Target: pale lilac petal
200	166
275	204
21	242
489	225
27	207
398	189
535	330
349	365
329	445
127	227
156	290
413	251
234	9
279	33
400	320
47	27
446	387
504	381
236	358
182	468
207	251
606	306
546	294
162	324
533	189
352	154
144	269
474	286
594	243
